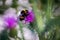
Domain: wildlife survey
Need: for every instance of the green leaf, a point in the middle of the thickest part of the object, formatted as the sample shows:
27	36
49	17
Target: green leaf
4	35
14	5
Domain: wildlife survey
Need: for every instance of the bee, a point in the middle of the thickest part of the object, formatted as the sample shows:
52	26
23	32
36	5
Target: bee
24	13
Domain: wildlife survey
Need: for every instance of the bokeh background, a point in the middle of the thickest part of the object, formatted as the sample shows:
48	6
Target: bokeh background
46	25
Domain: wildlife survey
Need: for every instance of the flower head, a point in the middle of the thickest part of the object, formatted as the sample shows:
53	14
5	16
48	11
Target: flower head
30	17
11	22
10	18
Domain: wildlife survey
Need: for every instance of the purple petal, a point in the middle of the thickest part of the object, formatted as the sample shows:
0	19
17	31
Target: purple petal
30	17
11	22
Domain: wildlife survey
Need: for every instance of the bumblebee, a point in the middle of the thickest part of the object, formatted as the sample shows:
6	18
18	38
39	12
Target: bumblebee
24	13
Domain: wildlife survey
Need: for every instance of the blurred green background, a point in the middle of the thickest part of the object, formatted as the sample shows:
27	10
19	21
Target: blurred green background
47	14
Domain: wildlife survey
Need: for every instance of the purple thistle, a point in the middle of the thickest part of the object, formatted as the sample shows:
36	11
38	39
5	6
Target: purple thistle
30	17
10	18
10	22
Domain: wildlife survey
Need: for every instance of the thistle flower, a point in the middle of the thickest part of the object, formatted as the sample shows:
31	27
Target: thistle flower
10	18
11	22
30	17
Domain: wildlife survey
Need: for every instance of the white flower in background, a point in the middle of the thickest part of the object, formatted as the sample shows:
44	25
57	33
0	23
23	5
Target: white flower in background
8	2
2	25
21	8
10	12
24	3
28	34
1	3
11	38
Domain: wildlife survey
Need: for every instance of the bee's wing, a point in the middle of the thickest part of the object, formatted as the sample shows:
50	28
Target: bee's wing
19	13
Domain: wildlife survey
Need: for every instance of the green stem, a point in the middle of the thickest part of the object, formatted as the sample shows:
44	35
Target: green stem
49	10
21	26
4	2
